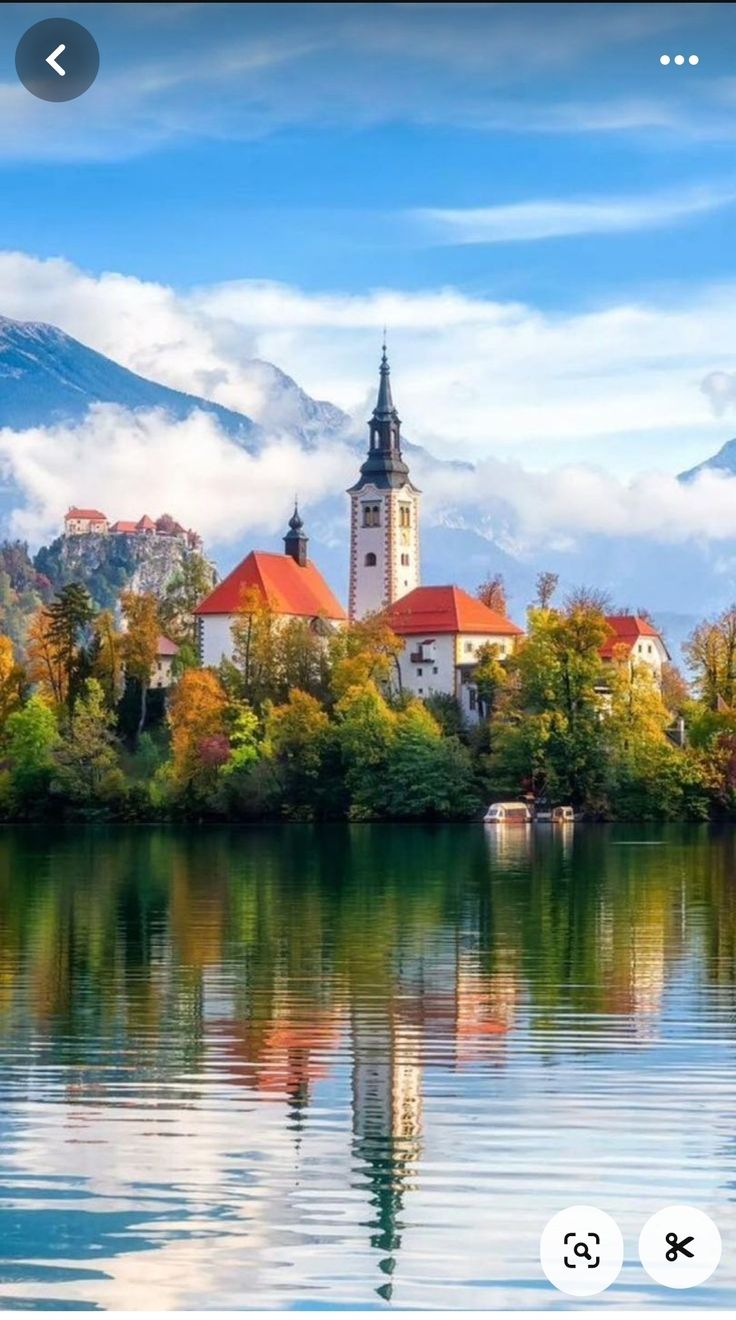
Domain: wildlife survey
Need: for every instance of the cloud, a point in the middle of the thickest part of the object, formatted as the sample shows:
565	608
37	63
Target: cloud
567	503
554	218
473	376
133	463
720	388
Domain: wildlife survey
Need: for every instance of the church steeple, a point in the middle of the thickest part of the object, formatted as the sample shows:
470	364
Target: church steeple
385	424
296	539
384	522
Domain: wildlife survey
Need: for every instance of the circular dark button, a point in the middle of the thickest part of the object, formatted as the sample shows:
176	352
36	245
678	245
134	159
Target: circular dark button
57	59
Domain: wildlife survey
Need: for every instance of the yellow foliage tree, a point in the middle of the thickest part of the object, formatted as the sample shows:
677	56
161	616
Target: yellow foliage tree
366	652
12	680
45	664
197	713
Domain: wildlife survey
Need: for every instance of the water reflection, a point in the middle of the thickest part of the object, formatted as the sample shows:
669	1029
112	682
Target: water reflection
301	1065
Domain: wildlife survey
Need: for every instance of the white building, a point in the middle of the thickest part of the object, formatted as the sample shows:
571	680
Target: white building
635	639
290	584
384	514
162	672
443	629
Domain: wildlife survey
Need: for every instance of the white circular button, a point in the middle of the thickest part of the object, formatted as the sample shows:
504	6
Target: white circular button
582	1251
680	1247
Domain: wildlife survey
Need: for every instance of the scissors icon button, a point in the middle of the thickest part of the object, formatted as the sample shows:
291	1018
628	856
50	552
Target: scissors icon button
680	1247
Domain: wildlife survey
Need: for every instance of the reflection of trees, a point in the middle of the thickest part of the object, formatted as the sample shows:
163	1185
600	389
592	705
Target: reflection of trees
272	954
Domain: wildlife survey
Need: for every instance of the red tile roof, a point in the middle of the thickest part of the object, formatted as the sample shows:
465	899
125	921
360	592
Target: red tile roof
86	513
446	610
286	587
166	647
146	523
626	629
123	526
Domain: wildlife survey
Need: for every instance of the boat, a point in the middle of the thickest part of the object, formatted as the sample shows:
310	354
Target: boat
508	813
563	816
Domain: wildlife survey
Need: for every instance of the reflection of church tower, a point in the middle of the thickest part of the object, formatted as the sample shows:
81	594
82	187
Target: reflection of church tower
384	514
387	1110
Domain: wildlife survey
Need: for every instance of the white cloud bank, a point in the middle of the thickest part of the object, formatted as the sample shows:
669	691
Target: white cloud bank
474	376
129	464
134	463
561	411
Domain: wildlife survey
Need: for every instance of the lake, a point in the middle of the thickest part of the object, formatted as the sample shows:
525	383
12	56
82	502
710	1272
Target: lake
347	1066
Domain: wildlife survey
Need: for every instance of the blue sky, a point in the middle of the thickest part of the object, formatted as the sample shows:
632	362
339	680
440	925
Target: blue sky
294	142
539	209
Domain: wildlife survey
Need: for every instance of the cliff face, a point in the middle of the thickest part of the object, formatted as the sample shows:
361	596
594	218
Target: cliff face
107	565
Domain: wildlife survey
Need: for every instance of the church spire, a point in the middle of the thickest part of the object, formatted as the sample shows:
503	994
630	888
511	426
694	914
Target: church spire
385	424
296	539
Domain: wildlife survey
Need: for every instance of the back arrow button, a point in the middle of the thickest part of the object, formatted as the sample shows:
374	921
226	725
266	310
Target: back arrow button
51	59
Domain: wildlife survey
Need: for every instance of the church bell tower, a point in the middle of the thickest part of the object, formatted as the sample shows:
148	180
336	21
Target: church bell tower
384	514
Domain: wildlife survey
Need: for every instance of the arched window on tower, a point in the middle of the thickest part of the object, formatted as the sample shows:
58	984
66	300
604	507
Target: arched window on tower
370	560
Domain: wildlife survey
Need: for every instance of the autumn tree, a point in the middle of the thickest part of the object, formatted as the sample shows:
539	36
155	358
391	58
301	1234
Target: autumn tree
296	733
197	712
12	681
492	592
139	643
255	646
546	586
44	667
710	653
366	652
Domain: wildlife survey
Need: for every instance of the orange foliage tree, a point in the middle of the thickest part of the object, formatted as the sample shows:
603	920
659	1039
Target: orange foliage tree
197	716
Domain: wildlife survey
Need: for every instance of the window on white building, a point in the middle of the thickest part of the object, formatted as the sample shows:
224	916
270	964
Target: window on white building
469	648
404	515
370	560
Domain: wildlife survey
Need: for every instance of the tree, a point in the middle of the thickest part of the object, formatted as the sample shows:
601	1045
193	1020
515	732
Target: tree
364	654
106	657
428	776
546	584
45	668
296	732
70	615
182	594
492	593
198	711
366	729
255	646
139	643
675	690
12	681
31	735
548	731
489	676
85	759
710	653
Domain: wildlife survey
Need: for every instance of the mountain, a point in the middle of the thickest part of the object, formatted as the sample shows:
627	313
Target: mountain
46	377
723	461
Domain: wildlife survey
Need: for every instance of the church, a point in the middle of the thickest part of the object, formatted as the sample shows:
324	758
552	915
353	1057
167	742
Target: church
442	627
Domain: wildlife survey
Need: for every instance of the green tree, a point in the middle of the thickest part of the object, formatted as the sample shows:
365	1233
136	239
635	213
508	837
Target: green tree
428	776
69	617
366	729
296	734
86	768
31	737
182	594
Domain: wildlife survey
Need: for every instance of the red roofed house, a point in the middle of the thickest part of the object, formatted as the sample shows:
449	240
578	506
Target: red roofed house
146	524
637	640
290	584
443	629
84	522
122	527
